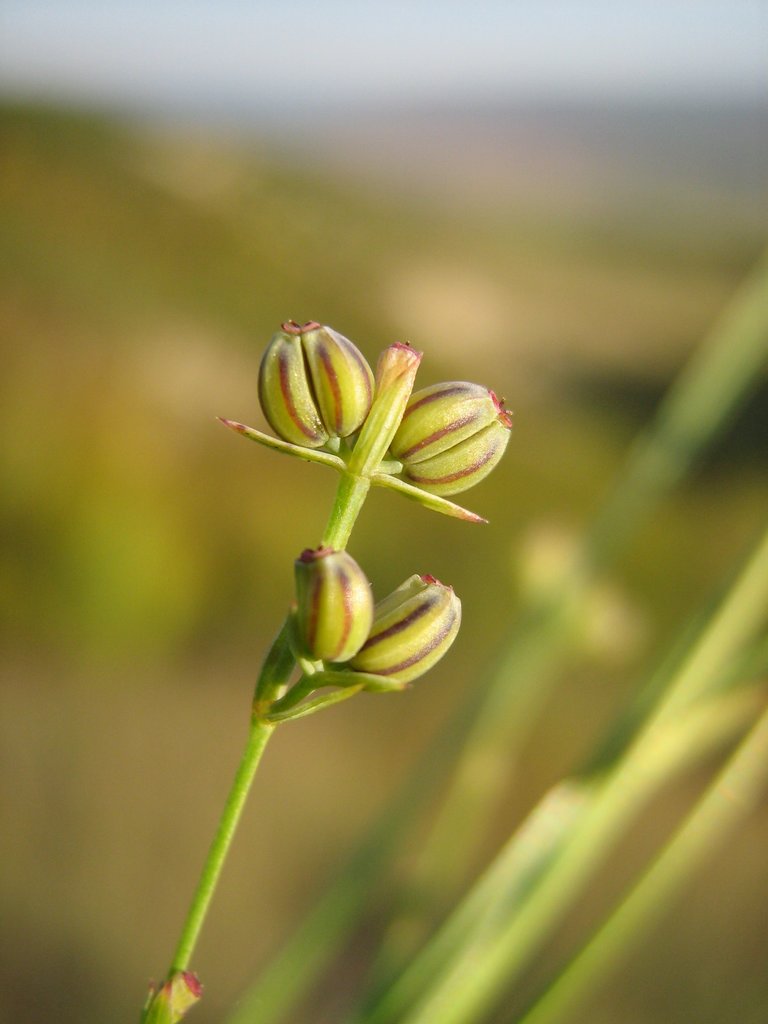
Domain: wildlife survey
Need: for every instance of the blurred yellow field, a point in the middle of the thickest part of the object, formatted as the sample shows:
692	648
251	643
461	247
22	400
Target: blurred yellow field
147	551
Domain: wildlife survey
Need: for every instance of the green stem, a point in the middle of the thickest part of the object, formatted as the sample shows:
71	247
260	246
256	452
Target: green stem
397	370
260	732
276	671
350	495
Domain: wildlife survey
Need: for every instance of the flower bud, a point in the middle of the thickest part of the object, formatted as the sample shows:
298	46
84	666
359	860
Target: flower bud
169	1003
314	384
342	380
412	629
451	436
334	604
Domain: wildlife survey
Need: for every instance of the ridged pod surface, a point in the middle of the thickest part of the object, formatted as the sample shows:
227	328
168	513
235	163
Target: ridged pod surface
334	605
451	436
412	629
314	384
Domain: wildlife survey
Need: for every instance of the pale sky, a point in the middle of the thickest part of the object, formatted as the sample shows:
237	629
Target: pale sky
155	51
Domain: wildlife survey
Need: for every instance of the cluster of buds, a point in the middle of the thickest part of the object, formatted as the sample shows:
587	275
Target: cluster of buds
397	640
321	398
316	388
325	405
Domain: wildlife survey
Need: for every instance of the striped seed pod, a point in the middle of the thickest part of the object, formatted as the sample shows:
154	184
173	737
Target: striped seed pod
412	629
334	605
451	436
314	384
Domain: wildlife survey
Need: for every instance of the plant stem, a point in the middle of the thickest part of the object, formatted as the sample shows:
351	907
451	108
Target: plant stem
260	732
350	495
276	671
397	369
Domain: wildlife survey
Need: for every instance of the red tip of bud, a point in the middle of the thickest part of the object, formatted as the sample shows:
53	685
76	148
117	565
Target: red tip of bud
312	554
291	327
431	579
407	347
505	416
193	983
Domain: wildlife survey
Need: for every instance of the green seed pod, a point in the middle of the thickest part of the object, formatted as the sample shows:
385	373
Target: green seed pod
314	384
412	629
451	436
334	605
342	380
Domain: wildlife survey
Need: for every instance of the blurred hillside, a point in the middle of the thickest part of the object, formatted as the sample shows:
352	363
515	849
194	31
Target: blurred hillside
143	272
147	552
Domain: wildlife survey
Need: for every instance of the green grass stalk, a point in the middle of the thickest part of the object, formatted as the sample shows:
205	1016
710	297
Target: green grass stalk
720	375
534	847
728	800
350	496
462	995
313	946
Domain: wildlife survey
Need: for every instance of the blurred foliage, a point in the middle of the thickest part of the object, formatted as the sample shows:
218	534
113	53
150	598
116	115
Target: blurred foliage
147	552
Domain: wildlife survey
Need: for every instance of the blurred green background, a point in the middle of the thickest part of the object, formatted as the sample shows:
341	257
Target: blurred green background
569	254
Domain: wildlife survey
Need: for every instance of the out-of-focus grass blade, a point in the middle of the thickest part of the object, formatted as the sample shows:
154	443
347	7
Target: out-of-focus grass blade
719	376
462	996
512	873
727	801
515	869
530	851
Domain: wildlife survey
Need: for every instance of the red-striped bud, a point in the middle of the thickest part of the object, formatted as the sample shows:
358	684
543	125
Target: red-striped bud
451	436
314	384
334	605
412	629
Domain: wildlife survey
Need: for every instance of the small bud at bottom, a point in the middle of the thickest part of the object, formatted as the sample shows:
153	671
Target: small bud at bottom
171	1002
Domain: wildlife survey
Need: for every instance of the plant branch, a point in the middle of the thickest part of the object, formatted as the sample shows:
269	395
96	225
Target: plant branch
258	736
